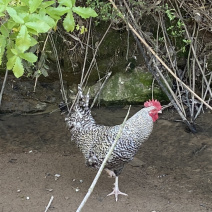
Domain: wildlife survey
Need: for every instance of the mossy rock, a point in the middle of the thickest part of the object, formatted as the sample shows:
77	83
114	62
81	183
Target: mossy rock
128	87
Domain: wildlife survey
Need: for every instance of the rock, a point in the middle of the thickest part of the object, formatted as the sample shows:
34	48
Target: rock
19	96
127	87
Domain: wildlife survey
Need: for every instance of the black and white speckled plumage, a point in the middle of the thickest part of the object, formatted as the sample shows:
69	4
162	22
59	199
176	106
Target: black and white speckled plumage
95	140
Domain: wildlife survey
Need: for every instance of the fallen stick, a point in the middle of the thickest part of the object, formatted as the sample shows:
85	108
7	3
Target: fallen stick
50	202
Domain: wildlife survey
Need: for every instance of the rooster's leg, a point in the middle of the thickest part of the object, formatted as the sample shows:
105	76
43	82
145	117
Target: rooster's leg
116	191
110	173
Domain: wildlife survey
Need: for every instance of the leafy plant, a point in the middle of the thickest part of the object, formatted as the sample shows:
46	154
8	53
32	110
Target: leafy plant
103	8
176	30
22	21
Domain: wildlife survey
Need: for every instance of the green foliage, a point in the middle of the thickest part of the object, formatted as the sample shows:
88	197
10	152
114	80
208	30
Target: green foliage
103	7
22	21
176	28
170	13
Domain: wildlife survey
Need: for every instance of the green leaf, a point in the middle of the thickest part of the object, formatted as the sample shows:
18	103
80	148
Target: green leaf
33	41
83	30
2	47
4	31
29	56
23	40
66	3
3	6
10	24
13	14
21	9
48	20
18	68
24	15
84	12
14	51
33	5
6	2
69	23
44	72
57	12
46	4
11	62
2	9
26	2
38	26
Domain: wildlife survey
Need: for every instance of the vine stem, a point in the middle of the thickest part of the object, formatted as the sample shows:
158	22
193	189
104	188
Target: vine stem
158	58
90	190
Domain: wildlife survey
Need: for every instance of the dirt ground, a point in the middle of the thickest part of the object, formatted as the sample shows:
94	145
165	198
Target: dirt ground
171	173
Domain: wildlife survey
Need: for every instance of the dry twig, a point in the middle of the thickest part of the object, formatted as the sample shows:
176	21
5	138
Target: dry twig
3	85
49	204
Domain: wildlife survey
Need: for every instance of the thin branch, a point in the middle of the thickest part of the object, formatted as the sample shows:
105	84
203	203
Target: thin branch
207	89
59	71
40	62
86	53
153	82
49	204
90	190
180	105
94	56
193	72
100	89
3	85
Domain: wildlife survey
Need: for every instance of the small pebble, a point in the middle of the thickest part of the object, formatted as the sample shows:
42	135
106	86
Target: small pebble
27	198
18	190
56	176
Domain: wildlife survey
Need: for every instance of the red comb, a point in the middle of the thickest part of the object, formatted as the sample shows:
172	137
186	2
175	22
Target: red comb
154	103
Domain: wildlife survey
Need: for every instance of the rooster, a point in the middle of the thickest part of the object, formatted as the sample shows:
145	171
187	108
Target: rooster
95	140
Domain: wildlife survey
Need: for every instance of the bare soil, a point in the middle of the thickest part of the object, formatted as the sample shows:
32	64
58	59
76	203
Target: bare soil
171	173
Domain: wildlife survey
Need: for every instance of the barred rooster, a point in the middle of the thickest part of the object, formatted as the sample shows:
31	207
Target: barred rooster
95	140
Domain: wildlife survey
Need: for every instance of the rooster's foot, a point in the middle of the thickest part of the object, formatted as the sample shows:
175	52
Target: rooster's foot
116	191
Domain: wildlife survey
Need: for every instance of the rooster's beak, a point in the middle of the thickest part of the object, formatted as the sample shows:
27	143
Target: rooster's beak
160	111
